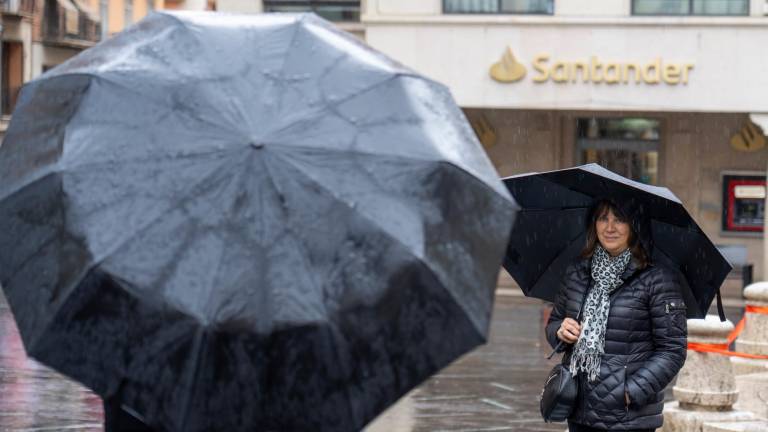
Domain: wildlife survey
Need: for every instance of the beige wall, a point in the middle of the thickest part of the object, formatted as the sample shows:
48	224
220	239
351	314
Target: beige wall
139	10
758	7
694	152
526	140
239	6
375	8
116	16
193	5
50	56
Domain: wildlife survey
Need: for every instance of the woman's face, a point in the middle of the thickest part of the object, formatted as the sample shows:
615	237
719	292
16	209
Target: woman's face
612	233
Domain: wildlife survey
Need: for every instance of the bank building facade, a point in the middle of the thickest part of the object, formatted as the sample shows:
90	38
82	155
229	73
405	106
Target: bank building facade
671	92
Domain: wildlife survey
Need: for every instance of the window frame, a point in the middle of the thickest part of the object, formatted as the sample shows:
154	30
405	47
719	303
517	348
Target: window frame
635	145
500	12
690	11
311	5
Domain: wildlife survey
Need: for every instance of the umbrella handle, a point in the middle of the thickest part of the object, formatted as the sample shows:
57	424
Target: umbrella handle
559	345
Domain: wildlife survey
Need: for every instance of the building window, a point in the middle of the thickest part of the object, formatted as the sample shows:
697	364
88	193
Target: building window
542	7
13	74
627	146
332	10
690	7
104	14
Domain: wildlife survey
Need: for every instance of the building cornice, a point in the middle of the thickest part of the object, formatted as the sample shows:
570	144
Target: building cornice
538	20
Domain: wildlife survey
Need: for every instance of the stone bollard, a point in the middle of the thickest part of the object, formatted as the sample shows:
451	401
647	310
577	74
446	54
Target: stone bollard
707	380
752	374
753	393
705	389
754	338
745	426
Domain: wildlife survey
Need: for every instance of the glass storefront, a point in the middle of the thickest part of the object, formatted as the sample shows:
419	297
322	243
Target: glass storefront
628	146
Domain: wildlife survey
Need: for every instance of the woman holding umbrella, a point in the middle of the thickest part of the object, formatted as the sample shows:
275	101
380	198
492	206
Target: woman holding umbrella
631	339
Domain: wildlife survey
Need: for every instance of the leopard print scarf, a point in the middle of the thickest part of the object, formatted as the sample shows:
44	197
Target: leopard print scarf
591	344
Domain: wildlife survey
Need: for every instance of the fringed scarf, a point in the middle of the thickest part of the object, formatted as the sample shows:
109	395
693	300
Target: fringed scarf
591	344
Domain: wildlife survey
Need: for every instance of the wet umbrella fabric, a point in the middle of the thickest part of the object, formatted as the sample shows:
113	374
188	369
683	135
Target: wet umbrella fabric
238	222
549	231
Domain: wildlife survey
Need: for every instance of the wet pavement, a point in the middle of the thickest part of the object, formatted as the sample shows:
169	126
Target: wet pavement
494	388
34	398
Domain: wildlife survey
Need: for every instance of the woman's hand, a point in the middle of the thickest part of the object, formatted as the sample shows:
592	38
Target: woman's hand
569	331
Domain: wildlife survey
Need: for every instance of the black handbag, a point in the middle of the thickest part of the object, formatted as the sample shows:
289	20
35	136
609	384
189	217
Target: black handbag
558	398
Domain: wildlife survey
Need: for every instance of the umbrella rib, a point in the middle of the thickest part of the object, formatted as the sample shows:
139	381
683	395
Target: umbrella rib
634	188
297	26
277	188
359	153
534	210
191	373
334	195
381	229
570	242
185	197
186	243
144	160
158	102
97	261
32	256
327	107
240	181
690	227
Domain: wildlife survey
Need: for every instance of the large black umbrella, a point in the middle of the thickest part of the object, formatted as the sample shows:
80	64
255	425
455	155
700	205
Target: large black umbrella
549	231
239	223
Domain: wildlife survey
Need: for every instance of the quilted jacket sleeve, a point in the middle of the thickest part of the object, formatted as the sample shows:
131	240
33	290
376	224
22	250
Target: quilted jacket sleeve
560	308
669	330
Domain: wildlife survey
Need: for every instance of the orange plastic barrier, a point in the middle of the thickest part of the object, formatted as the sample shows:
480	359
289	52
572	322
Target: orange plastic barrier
723	348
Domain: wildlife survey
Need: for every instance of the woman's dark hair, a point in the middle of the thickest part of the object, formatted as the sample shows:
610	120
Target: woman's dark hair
639	254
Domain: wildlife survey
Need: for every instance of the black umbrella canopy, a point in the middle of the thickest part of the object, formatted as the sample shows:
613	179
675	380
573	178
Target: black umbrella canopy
237	222
549	231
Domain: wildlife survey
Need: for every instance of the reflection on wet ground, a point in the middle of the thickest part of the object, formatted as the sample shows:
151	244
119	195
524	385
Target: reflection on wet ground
35	398
495	388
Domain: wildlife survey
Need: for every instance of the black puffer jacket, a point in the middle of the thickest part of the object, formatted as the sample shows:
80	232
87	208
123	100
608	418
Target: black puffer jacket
645	345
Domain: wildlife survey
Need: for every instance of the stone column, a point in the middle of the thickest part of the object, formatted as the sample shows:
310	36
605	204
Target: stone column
705	389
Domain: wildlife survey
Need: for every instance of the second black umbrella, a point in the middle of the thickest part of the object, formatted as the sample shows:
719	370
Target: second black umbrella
549	231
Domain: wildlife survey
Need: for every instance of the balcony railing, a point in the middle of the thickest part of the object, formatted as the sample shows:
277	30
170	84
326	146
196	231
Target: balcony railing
17	7
64	24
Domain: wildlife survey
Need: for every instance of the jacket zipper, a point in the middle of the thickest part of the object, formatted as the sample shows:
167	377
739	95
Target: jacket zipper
626	405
